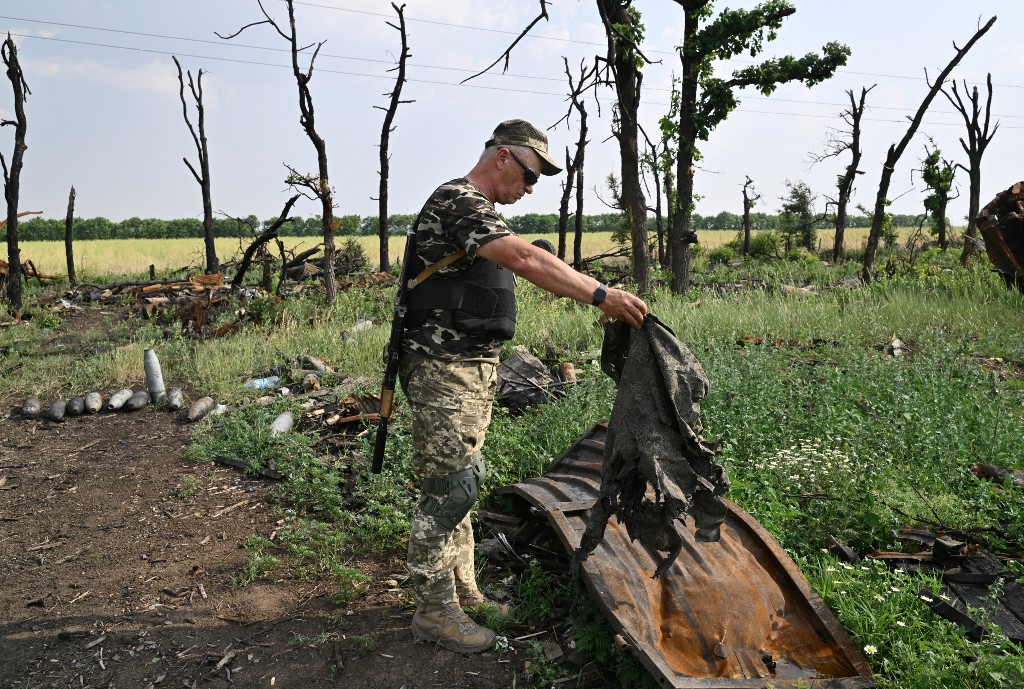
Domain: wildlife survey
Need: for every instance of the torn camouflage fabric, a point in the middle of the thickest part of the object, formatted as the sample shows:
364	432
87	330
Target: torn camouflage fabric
654	442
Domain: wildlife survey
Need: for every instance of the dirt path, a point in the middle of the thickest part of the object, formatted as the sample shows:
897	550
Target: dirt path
118	558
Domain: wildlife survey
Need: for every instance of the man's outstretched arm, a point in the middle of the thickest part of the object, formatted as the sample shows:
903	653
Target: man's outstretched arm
551	274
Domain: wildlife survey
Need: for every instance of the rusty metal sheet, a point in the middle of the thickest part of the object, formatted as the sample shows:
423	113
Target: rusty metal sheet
737	613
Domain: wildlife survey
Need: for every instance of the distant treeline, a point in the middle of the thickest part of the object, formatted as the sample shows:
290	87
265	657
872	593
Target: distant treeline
52	229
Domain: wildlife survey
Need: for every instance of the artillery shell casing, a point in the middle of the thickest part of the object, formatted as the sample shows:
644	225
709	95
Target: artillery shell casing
200	408
118	399
75	406
30	409
137	401
56	411
93	402
175	399
317	364
154	377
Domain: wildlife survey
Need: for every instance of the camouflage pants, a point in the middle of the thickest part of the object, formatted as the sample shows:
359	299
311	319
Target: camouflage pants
451	409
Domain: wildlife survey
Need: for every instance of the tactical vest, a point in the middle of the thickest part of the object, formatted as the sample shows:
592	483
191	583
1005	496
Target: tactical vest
481	299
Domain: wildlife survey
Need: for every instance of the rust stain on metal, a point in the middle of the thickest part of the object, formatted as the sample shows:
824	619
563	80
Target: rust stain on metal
737	613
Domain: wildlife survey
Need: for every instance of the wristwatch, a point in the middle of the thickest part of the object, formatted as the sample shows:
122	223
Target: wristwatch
599	294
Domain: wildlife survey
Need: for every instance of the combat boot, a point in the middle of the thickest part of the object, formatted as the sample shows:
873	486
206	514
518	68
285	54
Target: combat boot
448	626
475	600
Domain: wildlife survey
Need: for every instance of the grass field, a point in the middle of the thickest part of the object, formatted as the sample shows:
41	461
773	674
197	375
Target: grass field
106	257
823	434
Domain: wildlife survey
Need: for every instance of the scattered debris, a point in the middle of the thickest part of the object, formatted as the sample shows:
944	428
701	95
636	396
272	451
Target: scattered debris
974	580
895	348
524	381
1001	223
743	599
282	424
999	474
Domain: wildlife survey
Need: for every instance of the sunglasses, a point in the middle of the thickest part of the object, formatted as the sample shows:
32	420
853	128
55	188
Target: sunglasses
529	176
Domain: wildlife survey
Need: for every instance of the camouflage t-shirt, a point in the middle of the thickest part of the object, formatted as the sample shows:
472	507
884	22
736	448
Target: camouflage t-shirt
456	216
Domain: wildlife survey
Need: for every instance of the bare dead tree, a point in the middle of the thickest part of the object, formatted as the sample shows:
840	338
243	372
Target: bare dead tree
261	239
12	175
385	135
749	199
896	150
69	251
650	160
836	145
978	138
202	150
508	51
624	60
574	166
318	186
563	204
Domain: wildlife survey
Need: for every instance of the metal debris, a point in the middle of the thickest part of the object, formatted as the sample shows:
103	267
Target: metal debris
744	593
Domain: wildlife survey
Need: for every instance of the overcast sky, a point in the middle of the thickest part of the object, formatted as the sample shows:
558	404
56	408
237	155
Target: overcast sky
104	113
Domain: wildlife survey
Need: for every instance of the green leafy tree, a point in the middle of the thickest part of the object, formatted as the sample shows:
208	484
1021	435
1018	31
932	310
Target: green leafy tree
938	174
706	100
798	219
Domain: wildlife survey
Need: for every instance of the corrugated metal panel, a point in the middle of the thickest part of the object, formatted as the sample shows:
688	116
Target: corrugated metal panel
737	613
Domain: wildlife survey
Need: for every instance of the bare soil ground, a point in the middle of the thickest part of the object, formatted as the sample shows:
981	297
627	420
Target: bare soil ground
117	572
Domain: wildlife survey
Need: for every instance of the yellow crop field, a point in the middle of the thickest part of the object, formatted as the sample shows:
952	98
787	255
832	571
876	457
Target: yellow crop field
133	256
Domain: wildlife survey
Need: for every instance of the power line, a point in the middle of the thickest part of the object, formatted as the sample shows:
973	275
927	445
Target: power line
424	81
419	65
590	43
451	25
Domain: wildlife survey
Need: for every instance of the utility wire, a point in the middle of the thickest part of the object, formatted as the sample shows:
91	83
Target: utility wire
422	66
429	81
452	25
591	43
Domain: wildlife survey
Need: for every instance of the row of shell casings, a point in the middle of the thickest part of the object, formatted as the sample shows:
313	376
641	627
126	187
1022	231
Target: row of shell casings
127	400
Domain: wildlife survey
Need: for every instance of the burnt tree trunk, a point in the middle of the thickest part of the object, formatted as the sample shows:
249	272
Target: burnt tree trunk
12	175
259	244
681	235
622	57
852	118
748	202
563	205
203	151
385	137
896	150
978	138
670	213
69	249
940	221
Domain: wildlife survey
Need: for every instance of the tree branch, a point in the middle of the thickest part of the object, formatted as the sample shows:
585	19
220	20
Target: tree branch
508	51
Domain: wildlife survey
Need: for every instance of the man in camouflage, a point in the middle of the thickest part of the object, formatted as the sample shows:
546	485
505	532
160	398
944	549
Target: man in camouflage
460	316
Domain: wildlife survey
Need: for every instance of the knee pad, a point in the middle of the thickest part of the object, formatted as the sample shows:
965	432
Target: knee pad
460	488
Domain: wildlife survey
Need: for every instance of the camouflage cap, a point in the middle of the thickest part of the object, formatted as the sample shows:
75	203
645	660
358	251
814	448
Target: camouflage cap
522	133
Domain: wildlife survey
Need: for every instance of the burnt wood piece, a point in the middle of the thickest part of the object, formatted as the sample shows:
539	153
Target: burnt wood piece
1002	227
